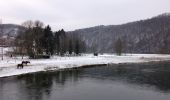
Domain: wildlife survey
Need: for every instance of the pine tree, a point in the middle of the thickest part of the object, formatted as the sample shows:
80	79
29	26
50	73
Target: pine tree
118	47
48	39
57	42
77	47
70	47
60	41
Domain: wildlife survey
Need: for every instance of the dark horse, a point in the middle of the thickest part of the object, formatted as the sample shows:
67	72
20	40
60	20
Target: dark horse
25	62
20	66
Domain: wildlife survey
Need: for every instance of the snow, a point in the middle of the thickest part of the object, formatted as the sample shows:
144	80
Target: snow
8	65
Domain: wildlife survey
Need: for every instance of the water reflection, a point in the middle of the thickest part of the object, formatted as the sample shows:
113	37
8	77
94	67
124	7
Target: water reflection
38	86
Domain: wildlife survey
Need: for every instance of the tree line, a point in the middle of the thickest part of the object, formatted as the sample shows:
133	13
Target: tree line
38	40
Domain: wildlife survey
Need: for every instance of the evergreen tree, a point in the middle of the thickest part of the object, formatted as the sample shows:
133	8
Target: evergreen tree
60	41
118	47
48	41
57	42
70	47
77	47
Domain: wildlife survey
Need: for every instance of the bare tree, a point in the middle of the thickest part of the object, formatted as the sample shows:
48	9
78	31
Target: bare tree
38	23
2	40
29	41
28	24
1	28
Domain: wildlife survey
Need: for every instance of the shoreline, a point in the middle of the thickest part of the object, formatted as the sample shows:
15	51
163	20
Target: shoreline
87	66
67	63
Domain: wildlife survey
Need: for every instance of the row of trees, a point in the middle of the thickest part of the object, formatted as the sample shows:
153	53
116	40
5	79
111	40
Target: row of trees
39	40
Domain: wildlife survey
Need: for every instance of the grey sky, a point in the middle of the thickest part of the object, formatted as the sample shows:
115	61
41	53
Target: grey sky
75	14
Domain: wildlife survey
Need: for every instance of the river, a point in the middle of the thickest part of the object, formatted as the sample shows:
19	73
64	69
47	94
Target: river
149	81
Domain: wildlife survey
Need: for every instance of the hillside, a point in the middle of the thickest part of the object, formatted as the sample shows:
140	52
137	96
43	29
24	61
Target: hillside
10	29
8	32
144	36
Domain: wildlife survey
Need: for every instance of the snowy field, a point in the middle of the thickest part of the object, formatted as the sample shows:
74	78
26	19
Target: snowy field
8	67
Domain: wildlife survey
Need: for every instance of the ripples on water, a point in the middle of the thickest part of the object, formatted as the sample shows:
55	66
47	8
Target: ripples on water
119	82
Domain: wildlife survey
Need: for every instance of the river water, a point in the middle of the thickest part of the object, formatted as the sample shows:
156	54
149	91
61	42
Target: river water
116	82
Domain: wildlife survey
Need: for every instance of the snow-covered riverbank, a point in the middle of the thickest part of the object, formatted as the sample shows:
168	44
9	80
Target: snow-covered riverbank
8	65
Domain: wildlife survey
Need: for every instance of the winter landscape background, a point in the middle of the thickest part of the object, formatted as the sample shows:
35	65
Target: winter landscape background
84	49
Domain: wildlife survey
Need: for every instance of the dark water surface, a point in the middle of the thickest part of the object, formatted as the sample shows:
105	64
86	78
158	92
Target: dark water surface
117	82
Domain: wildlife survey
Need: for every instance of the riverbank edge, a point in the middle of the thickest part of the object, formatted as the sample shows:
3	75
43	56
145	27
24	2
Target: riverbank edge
90	66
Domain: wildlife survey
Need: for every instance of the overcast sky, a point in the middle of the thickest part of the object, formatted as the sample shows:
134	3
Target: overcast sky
75	14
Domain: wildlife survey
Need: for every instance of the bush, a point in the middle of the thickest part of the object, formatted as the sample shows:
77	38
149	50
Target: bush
95	54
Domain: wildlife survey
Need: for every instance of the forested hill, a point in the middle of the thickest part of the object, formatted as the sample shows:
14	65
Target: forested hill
144	36
10	29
